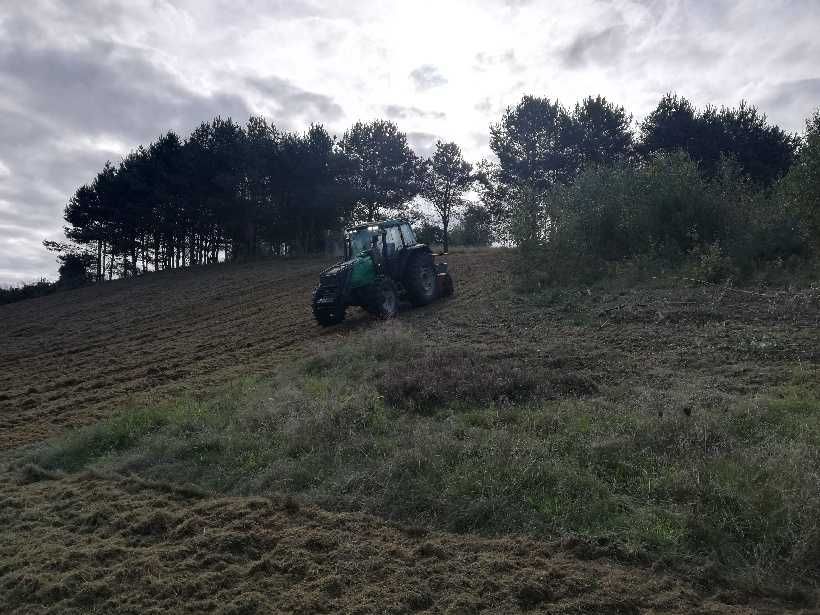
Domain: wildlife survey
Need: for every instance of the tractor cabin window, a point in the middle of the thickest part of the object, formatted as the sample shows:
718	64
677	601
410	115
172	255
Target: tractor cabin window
407	234
359	242
393	240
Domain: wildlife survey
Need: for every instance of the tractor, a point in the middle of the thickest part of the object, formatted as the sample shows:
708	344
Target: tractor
383	264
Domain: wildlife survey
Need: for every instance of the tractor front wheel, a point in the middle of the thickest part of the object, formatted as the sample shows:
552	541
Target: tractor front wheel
384	301
327	310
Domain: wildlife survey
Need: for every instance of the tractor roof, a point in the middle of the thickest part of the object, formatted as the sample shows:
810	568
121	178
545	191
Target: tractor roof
380	224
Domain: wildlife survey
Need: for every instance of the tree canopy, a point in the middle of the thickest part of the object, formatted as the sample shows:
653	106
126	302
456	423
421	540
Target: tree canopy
231	191
446	177
763	150
384	168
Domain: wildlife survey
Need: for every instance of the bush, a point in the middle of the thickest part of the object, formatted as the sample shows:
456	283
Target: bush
664	209
800	189
710	263
27	291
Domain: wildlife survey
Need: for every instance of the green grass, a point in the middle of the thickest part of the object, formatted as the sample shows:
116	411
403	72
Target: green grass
731	482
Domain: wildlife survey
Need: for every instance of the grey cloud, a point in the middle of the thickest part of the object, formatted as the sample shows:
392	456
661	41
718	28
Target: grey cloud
100	88
507	59
422	143
517	4
400	112
603	47
51	99
488	58
426	77
792	102
24	259
484	105
294	101
480	138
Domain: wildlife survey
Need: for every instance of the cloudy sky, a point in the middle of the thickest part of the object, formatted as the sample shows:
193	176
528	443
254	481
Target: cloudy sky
84	81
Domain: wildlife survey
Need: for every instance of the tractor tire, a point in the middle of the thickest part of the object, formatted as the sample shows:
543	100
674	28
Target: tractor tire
326	314
384	301
444	285
420	280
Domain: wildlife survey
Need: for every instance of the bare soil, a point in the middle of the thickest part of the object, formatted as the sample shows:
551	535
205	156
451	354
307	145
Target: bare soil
75	356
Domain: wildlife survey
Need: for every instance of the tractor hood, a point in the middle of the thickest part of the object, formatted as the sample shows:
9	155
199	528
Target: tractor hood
354	273
332	273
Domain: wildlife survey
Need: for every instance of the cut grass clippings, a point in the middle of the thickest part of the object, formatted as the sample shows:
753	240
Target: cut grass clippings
727	485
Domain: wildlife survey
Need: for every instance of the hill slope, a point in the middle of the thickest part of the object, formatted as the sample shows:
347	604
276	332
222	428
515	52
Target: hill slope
656	399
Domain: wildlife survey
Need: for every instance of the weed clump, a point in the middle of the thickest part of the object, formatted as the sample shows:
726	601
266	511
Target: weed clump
452	377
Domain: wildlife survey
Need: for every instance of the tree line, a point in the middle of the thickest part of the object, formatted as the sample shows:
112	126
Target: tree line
721	186
229	191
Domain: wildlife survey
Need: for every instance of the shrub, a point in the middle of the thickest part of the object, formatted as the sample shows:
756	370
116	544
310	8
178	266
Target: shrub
710	263
800	189
664	209
27	291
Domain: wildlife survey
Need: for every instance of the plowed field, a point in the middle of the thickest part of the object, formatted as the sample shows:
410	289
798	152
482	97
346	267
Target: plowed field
72	357
75	356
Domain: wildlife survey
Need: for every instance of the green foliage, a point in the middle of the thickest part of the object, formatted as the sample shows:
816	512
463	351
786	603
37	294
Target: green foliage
446	176
533	144
475	227
762	150
710	263
601	132
41	288
540	143
666	209
568	184
74	269
384	168
230	191
106	438
429	233
801	187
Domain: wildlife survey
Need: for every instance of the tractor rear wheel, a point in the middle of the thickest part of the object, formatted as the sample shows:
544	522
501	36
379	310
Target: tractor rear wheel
420	279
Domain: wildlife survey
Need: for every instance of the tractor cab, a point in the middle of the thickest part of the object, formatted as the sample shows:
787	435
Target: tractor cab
389	238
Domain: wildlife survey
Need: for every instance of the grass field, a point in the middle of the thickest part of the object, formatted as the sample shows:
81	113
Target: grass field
619	448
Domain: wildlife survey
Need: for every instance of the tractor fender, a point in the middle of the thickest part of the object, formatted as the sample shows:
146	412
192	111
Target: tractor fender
410	253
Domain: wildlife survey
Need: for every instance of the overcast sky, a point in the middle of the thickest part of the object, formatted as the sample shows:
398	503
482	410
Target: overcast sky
82	82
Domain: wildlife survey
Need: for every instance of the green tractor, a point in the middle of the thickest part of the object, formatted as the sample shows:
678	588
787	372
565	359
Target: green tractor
383	265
